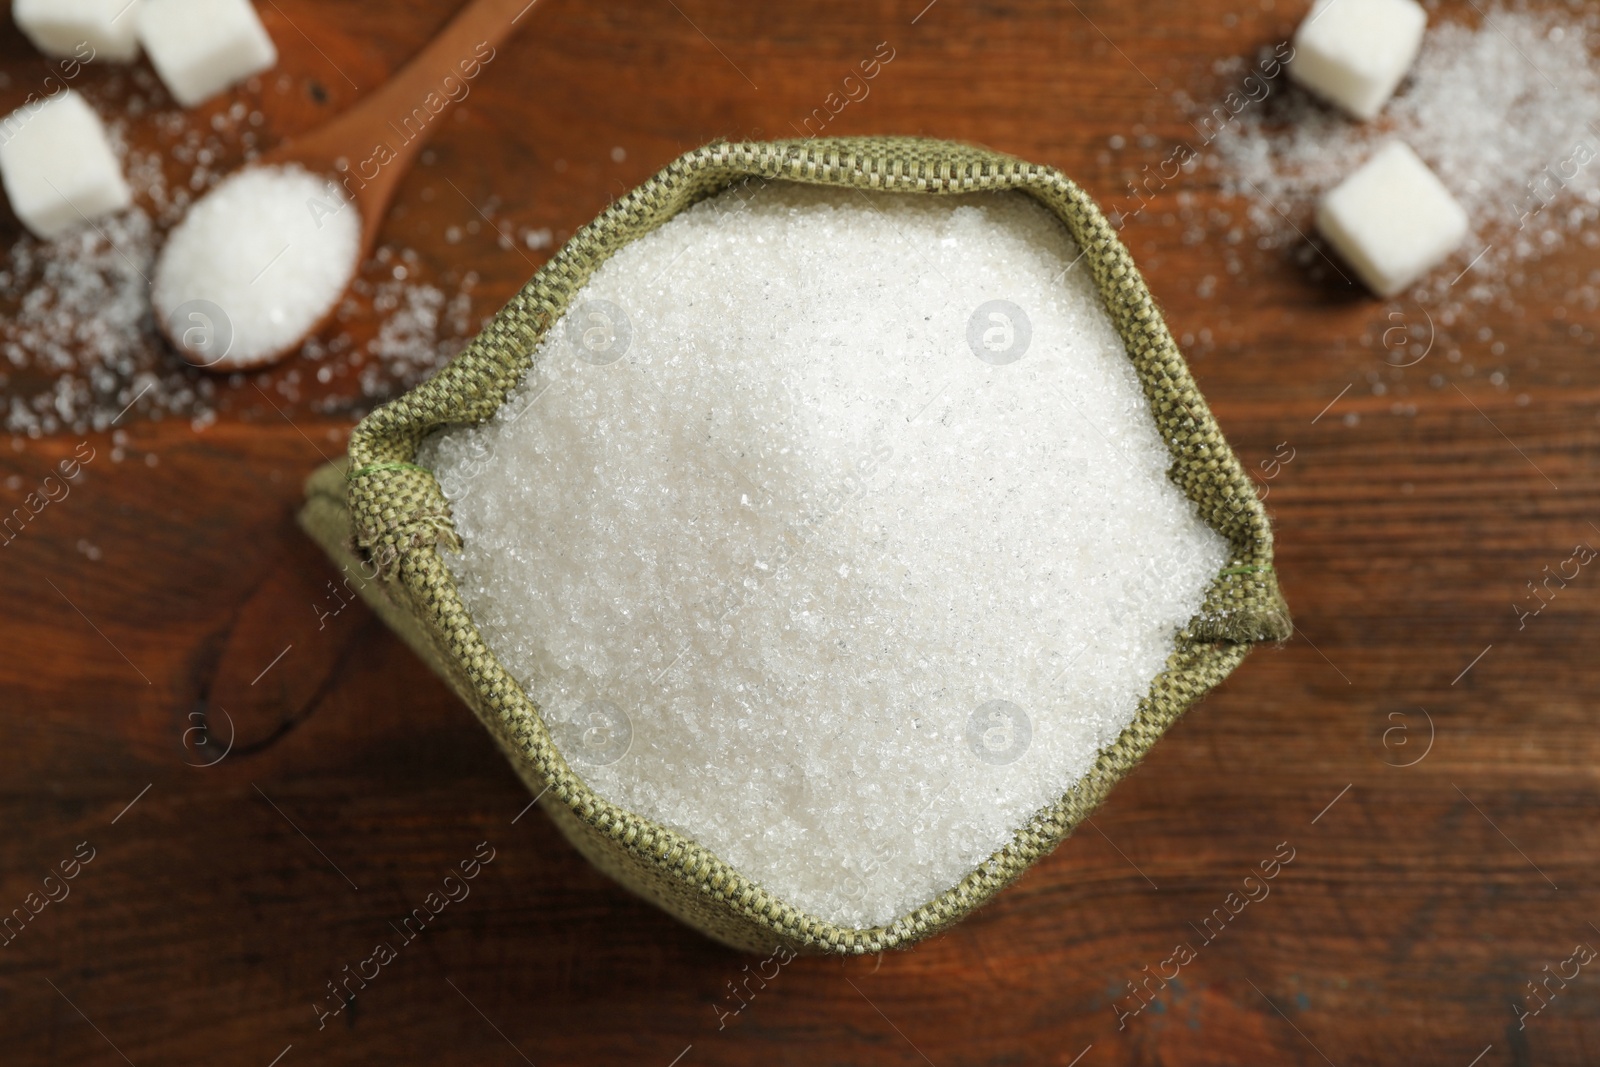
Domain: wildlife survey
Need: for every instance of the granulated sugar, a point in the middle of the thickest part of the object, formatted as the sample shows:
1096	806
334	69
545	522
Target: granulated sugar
270	250
79	299
809	545
1506	111
415	316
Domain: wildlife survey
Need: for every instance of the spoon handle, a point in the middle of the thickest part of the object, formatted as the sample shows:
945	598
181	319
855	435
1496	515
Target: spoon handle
370	147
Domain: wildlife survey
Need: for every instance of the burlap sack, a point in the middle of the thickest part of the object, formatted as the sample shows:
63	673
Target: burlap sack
380	513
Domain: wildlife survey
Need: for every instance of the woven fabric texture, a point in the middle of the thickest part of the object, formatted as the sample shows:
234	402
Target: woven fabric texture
380	511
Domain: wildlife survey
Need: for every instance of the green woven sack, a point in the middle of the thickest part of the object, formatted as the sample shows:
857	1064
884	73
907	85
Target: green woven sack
382	516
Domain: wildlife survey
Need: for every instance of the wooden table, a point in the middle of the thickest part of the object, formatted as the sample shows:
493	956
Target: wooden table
1431	763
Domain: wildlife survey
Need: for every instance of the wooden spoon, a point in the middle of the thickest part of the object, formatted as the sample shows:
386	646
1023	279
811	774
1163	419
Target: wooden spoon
365	151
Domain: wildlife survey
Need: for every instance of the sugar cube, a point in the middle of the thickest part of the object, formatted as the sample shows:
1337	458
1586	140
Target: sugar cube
63	27
57	165
1353	53
200	47
1392	220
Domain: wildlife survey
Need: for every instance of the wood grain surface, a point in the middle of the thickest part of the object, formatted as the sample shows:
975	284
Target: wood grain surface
1431	763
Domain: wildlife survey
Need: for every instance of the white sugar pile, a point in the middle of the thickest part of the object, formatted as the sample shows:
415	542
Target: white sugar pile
811	546
1506	112
270	251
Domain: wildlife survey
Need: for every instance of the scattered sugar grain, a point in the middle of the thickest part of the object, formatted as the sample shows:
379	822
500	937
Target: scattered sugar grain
789	568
